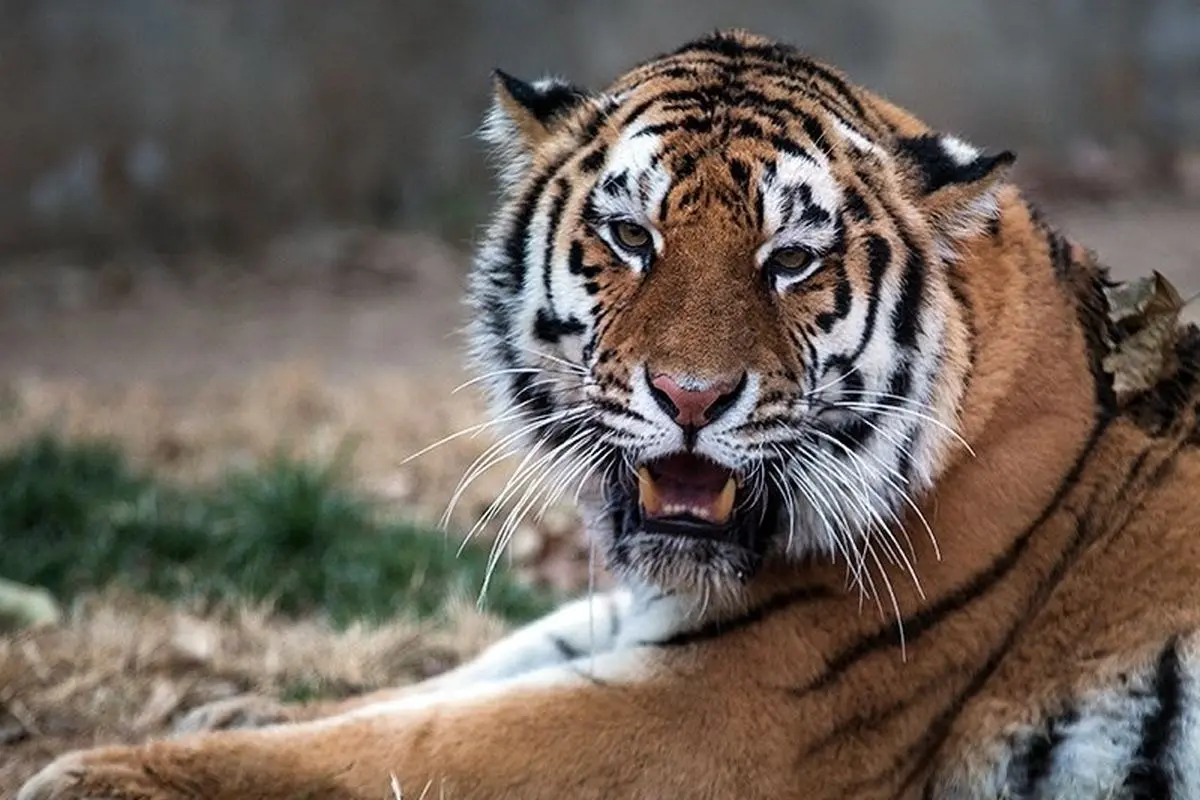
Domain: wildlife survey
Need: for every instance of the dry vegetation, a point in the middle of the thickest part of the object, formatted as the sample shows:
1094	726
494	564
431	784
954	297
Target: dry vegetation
292	408
123	668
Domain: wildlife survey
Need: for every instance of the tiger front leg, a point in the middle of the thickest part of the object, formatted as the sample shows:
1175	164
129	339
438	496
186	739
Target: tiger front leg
624	729
591	625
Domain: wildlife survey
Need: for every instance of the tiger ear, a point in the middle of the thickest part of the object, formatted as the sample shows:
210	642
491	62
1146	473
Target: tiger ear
955	182
524	114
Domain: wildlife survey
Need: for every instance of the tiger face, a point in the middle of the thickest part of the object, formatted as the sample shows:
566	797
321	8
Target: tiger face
719	299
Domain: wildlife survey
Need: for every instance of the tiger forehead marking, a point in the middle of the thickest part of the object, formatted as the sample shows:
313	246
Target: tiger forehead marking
719	292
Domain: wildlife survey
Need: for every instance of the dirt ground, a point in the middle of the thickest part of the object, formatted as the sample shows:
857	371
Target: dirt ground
355	305
335	335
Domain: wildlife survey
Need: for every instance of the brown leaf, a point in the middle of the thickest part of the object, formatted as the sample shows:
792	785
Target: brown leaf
1145	314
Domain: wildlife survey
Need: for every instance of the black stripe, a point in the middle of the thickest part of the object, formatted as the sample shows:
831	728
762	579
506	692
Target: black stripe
1149	776
906	315
514	267
557	205
1031	767
817	134
551	328
879	256
594	160
690	124
841	298
929	744
917	624
718	628
776	54
875	718
685	165
857	207
568	651
635	113
957	283
740	172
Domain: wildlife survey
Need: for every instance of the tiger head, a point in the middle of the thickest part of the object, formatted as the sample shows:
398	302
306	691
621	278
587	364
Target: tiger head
719	298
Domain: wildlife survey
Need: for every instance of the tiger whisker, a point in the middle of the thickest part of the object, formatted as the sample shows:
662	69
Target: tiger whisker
496	452
486	376
870	516
532	478
875	521
817	390
470	430
575	368
900	411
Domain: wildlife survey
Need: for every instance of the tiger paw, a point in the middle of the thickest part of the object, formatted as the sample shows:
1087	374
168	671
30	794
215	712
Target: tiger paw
245	711
108	774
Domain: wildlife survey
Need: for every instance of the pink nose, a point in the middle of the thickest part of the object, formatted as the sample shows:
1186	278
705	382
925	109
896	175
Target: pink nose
694	407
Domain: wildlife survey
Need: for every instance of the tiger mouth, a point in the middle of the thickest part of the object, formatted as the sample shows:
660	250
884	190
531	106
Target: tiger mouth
687	497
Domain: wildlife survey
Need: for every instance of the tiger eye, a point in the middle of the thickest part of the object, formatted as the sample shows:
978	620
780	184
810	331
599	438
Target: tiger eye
631	236
790	259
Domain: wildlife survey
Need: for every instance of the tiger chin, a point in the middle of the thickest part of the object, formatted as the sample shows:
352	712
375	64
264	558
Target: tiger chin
835	397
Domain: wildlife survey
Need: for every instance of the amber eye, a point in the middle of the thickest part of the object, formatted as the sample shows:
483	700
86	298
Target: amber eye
787	261
633	238
790	259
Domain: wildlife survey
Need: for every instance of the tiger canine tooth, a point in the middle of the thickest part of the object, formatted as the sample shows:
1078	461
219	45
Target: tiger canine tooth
723	507
648	492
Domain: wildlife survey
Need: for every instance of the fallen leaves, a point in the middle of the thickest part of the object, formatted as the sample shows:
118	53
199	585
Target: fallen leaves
1145	314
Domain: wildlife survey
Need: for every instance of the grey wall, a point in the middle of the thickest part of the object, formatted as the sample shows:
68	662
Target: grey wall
184	123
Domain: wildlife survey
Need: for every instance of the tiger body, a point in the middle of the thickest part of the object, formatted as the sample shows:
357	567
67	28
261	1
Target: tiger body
833	397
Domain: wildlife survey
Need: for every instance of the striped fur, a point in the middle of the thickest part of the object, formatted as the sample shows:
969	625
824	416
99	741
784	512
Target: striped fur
962	568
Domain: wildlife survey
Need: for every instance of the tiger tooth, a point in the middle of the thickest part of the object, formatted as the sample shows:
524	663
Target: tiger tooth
651	500
723	507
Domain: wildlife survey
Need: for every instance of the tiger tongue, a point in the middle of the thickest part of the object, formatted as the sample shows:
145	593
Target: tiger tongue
685	485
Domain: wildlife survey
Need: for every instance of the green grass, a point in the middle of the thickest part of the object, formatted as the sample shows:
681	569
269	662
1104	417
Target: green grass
76	517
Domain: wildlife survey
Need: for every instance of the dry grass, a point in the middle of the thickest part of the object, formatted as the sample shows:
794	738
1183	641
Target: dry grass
123	668
291	409
371	425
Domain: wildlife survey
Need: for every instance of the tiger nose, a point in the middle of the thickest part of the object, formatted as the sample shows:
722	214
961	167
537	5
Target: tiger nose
694	404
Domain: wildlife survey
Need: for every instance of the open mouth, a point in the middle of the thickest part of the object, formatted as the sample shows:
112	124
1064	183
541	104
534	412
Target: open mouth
686	495
683	522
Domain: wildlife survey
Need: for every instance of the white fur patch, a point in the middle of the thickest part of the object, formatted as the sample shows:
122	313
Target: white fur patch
966	223
1185	757
607	631
792	172
783	209
856	139
510	156
959	151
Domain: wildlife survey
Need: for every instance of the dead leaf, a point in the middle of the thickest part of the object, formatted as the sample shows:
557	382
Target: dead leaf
1145	314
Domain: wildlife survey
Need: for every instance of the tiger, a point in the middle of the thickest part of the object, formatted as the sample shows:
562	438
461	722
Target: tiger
838	406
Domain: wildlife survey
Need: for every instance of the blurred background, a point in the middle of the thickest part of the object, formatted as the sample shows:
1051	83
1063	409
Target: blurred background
233	238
